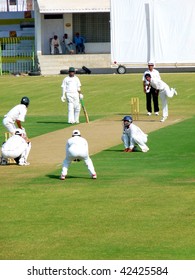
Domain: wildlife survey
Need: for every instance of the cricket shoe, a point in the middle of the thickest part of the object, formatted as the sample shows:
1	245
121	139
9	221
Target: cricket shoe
163	119
3	161
62	177
145	150
149	114
156	113
24	163
94	176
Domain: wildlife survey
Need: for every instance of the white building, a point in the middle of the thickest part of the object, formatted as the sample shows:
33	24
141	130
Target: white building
16	5
91	18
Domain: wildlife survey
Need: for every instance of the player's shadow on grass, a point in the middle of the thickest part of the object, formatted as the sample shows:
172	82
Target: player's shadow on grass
57	177
113	150
52	122
121	151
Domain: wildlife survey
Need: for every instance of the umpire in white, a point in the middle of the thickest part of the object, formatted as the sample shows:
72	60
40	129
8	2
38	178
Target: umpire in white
77	149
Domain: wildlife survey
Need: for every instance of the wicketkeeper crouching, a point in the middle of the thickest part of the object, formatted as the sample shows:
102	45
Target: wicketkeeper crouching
17	147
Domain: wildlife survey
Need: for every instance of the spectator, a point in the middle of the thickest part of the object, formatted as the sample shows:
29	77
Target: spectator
55	44
68	44
79	42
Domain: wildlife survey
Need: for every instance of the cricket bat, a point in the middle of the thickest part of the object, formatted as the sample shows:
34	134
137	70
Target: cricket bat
84	111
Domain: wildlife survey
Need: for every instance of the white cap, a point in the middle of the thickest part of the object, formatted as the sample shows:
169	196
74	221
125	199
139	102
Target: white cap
151	62
76	132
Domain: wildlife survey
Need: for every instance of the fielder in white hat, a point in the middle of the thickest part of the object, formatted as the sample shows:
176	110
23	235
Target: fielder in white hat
77	150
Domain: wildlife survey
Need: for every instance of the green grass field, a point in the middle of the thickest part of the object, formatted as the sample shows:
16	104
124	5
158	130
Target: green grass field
140	207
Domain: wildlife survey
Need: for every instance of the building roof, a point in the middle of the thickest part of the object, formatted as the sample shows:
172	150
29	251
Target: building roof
76	6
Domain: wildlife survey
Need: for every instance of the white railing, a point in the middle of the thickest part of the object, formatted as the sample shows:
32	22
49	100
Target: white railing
16	55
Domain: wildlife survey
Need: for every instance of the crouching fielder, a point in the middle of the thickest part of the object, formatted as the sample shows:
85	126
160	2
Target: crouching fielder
133	135
17	147
77	149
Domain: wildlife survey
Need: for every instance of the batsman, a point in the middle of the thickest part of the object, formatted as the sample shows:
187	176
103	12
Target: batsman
71	92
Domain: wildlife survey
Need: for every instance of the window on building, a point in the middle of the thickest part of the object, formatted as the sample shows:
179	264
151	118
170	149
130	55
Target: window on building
12	2
95	27
53	16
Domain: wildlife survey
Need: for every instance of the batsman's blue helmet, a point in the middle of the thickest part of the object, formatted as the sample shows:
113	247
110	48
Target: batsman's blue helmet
128	119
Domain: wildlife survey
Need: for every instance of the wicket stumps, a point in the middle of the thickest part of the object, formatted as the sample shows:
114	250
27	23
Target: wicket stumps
135	108
7	136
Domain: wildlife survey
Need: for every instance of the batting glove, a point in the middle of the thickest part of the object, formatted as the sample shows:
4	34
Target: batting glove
23	130
63	99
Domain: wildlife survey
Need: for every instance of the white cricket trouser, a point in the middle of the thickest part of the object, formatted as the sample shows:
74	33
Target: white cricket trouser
53	49
9	125
74	108
70	48
22	150
166	92
75	152
139	139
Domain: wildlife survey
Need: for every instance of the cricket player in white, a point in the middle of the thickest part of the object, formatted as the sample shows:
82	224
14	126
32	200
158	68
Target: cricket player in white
71	91
17	147
77	149
164	90
133	135
16	115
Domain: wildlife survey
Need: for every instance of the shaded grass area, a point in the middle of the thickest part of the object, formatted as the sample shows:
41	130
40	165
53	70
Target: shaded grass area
140	207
